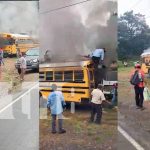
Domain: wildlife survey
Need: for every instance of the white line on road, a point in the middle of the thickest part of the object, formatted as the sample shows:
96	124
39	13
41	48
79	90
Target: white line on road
17	99
130	139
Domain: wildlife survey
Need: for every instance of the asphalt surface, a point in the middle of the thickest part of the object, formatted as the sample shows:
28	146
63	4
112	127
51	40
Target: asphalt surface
19	123
123	143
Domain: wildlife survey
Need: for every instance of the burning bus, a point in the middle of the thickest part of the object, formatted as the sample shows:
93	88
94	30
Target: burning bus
76	79
67	35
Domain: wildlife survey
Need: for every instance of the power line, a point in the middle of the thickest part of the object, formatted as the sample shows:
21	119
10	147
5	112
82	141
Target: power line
56	9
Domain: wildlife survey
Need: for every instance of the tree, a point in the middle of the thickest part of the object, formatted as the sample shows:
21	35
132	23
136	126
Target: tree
133	35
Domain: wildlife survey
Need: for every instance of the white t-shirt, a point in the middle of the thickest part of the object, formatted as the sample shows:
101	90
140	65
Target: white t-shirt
97	96
22	62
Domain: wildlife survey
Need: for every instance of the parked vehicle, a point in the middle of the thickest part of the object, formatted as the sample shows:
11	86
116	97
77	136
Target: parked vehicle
32	59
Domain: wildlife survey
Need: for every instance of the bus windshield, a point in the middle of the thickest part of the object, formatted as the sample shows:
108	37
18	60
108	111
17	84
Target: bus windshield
7	41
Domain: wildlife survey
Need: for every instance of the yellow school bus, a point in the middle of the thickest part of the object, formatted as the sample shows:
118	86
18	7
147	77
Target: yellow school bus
146	62
74	79
12	43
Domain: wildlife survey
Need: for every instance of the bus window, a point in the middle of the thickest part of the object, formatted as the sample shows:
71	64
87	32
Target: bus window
78	75
91	76
24	41
49	75
68	75
41	75
7	41
58	75
11	41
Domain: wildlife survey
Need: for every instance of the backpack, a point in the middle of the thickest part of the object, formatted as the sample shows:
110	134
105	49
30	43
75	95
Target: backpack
135	79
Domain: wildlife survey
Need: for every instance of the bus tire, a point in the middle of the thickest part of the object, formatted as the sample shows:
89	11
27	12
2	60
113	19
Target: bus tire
5	55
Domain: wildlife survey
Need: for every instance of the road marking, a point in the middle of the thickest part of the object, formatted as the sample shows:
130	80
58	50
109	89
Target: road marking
130	139
17	99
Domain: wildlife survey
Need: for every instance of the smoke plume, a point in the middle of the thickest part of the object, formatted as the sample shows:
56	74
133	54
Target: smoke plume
74	31
19	17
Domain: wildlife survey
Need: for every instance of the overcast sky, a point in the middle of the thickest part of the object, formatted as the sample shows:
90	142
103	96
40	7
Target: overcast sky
138	6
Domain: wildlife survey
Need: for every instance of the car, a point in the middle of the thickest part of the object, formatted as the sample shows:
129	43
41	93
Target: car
32	59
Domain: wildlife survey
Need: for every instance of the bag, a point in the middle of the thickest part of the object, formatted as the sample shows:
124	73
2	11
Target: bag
146	94
135	79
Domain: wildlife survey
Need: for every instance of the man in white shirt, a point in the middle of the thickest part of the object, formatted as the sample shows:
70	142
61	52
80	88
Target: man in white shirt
23	65
97	99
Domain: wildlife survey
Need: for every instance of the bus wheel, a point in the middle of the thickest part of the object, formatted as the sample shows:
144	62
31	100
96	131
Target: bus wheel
5	55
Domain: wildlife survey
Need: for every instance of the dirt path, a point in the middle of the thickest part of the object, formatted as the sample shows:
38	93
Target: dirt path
135	122
10	77
80	134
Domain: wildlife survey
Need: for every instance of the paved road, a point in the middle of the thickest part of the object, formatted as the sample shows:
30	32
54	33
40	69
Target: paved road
19	123
124	144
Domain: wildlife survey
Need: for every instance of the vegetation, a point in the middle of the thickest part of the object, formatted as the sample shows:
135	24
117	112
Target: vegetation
133	35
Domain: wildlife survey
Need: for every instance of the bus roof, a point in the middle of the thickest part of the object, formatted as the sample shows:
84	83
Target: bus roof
145	54
16	35
66	64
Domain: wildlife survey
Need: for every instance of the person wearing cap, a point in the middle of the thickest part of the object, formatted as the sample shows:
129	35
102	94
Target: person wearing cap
96	104
56	104
139	88
98	56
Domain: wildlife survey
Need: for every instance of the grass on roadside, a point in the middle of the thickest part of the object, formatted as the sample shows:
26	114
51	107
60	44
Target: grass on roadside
79	128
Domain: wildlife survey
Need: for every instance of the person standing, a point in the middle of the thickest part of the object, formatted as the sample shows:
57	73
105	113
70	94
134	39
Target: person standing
96	104
56	104
22	67
137	79
1	56
1	61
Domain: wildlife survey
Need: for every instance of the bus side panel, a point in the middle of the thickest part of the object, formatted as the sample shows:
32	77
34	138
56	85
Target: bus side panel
13	49
73	92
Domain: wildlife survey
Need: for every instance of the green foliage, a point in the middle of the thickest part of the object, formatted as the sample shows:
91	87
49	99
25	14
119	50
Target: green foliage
133	35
